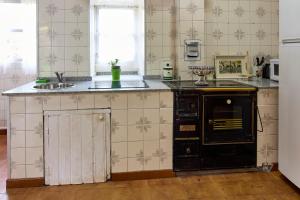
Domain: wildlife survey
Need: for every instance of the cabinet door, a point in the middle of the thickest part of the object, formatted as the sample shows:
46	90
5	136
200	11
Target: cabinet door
289	19
77	146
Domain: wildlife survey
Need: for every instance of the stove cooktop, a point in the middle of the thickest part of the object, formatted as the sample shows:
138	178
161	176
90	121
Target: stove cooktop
118	84
211	84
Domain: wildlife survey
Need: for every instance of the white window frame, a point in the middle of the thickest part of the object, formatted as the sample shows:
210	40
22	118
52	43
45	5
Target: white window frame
97	34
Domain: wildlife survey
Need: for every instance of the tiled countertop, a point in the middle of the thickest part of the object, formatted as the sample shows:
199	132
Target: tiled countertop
82	87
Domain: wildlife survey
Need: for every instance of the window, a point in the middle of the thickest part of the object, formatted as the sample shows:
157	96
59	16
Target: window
119	35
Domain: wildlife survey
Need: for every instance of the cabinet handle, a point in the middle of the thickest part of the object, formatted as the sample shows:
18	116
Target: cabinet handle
101	117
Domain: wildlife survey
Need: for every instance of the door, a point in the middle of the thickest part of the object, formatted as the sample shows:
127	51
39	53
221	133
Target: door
289	16
77	146
228	119
289	109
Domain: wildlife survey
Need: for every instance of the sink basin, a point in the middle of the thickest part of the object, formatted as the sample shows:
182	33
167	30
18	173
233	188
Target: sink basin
53	86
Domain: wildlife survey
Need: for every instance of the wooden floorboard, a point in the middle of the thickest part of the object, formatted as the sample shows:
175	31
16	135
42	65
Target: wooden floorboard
235	186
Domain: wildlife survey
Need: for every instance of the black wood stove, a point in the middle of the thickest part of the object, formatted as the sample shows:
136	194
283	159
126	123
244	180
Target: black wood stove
214	125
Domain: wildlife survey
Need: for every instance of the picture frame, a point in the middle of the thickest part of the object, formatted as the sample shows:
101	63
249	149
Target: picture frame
234	66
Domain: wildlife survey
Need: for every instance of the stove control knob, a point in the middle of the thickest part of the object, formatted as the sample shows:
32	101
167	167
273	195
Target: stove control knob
228	101
188	150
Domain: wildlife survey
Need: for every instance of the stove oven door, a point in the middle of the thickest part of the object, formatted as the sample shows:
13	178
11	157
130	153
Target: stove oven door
228	119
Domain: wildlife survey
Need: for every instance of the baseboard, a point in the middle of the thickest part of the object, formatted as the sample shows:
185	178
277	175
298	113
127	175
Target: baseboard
141	175
3	132
275	167
25	183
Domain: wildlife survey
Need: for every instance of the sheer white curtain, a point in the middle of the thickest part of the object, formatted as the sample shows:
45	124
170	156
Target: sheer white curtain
120	33
17	47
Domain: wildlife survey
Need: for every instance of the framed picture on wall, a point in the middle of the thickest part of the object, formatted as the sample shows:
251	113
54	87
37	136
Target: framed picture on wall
231	67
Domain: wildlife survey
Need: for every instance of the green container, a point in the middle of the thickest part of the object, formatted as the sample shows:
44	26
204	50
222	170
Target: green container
116	72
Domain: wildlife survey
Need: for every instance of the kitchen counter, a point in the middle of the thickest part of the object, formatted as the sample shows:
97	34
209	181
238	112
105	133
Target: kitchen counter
154	85
82	87
259	83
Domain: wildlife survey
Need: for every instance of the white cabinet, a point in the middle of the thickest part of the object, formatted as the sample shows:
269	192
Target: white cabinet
77	146
289	19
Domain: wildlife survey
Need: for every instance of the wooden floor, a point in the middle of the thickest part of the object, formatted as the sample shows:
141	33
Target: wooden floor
239	186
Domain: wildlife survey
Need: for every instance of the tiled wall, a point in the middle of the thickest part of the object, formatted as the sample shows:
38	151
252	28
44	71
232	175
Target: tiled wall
235	27
168	24
267	141
226	27
11	78
141	129
160	17
63	37
190	25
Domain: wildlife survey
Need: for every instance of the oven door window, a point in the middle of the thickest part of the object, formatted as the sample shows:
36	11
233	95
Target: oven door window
228	119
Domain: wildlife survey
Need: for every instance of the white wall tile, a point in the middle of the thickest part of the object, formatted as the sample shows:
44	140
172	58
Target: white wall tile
33	171
17	105
34	122
33	139
151	163
68	102
166	99
166	163
51	103
86	101
166	131
151	100
18	122
119	101
135	149
135	116
17	139
102	100
18	156
18	172
135	133
135	100
166	115
34	104
119	134
152	115
119	117
119	166
67	23
152	132
135	164
33	155
119	149
150	148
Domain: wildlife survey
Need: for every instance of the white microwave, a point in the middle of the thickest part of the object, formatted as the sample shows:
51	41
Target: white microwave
274	69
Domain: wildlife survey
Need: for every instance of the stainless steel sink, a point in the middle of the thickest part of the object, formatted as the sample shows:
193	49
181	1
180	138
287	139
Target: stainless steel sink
53	86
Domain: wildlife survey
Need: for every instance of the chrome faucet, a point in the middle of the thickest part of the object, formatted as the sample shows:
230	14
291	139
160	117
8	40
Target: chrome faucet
60	77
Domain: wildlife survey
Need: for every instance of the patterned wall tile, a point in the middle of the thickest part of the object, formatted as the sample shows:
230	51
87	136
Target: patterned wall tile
64	37
18	171
17	139
267	141
68	102
250	28
130	129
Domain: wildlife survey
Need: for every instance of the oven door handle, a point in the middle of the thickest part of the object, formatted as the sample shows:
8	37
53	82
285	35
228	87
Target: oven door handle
260	121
